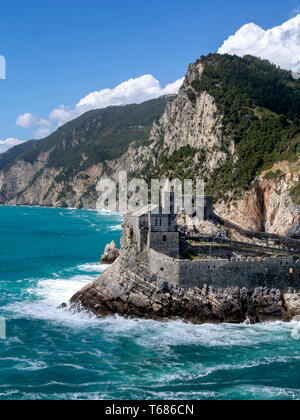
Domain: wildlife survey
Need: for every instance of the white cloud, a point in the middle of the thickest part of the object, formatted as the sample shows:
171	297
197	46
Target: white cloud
26	120
8	143
280	45
42	133
132	91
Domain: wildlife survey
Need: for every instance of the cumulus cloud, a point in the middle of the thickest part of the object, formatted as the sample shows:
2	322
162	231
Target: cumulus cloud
42	127
42	132
280	45
28	120
8	143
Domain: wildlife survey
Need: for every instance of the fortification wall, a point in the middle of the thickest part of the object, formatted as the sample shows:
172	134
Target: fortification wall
166	268
166	243
281	273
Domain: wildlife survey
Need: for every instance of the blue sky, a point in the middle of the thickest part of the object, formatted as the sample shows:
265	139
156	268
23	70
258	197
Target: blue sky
58	52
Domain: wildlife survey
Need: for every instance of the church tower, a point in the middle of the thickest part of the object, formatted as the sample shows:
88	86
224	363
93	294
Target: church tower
163	233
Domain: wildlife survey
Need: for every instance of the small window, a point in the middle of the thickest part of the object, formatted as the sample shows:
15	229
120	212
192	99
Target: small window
165	238
162	269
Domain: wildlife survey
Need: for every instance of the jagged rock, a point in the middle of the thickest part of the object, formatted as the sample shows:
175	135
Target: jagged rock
292	301
190	119
267	207
129	288
111	253
294	231
106	296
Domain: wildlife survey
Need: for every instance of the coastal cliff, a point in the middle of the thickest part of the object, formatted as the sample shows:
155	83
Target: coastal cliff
129	287
235	123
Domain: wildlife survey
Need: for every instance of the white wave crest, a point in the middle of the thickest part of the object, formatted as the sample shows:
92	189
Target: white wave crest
92	268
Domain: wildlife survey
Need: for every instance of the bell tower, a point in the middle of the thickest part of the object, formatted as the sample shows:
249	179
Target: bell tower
163	233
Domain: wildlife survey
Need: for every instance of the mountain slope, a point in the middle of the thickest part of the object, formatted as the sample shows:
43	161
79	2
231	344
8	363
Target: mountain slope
244	115
55	170
235	122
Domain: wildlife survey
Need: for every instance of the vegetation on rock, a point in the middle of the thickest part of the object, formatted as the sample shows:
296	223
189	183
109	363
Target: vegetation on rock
260	104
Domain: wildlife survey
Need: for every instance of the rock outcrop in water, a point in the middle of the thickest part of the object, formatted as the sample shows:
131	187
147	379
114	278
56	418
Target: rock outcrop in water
129	288
121	290
111	254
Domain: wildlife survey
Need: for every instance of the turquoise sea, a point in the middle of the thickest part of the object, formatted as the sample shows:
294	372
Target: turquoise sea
48	254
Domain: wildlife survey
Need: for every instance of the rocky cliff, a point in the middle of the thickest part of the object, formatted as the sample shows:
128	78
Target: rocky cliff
235	123
268	206
63	169
129	288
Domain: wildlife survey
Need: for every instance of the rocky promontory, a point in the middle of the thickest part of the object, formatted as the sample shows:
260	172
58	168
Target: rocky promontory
129	288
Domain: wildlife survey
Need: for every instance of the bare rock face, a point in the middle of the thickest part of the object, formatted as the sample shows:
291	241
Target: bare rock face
292	301
267	207
121	290
205	227
111	254
294	231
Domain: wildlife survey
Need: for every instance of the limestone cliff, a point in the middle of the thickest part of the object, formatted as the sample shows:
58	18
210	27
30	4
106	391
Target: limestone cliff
268	206
63	169
234	122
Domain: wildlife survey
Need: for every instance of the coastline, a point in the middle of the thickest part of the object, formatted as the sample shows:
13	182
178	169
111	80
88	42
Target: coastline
130	288
192	304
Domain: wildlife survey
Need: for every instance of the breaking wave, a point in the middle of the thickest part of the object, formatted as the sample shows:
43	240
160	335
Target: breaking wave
52	353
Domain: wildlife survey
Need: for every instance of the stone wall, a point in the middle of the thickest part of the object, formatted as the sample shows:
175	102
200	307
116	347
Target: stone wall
281	273
139	230
162	223
166	268
164	242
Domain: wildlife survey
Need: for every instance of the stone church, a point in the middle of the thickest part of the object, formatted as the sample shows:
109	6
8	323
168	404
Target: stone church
155	227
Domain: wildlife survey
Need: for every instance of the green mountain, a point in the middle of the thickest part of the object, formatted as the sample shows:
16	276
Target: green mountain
261	108
98	135
257	115
92	139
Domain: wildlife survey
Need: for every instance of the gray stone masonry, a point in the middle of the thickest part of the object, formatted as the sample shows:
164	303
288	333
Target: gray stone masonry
281	273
